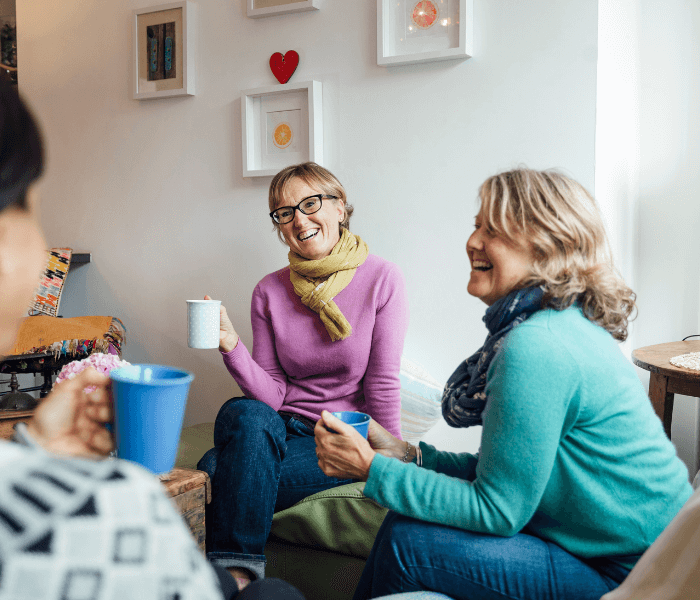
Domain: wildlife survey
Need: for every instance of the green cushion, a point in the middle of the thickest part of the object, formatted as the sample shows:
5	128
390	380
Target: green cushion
340	519
195	440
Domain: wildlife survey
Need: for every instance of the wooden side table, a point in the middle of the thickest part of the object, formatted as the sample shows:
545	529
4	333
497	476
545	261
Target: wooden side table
191	490
666	379
8	420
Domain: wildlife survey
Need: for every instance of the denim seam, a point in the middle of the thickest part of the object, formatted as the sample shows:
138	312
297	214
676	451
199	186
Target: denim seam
553	579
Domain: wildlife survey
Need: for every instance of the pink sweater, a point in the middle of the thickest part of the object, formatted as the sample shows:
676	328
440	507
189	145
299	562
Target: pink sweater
296	367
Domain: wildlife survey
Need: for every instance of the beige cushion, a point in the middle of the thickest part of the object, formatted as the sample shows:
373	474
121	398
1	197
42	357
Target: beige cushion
670	568
421	401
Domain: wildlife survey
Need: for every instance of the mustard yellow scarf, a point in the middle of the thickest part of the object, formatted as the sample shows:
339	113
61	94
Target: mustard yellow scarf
317	282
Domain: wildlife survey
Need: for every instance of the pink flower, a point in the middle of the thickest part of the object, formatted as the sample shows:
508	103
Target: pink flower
103	363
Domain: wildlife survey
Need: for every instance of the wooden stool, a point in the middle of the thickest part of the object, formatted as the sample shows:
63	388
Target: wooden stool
666	379
191	490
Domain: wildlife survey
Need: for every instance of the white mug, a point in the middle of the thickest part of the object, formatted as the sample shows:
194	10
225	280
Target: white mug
203	323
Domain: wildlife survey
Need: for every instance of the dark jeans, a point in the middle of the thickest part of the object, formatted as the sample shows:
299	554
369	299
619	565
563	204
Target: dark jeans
262	462
410	555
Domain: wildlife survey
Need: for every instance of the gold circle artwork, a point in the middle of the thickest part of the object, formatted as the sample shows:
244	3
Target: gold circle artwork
282	136
425	14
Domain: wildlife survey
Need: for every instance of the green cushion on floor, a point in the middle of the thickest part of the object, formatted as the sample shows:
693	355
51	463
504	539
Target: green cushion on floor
340	520
195	440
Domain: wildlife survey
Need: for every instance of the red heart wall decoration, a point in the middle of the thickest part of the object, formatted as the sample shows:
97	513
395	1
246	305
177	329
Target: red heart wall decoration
283	67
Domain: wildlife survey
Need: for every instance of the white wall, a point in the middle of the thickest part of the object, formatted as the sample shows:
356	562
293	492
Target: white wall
154	188
618	132
648	173
668	246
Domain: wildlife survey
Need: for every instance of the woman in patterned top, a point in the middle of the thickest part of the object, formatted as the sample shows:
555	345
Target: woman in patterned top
72	527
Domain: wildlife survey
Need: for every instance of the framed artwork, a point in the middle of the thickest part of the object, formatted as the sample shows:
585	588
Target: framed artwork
281	125
268	8
163	50
417	31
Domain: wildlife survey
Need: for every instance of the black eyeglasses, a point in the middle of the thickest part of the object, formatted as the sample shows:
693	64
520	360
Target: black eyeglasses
308	206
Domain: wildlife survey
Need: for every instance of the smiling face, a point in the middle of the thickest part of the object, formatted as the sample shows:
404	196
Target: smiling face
498	265
311	236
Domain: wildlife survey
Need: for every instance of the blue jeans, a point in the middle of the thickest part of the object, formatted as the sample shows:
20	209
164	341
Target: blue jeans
411	555
262	462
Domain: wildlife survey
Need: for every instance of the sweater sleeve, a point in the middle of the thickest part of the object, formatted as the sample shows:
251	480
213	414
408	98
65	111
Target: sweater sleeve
381	384
259	376
530	386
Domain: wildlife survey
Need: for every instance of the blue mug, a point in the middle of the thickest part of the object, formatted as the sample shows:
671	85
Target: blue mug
358	420
149	407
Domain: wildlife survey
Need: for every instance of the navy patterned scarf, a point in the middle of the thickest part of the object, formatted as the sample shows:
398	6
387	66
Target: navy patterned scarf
464	398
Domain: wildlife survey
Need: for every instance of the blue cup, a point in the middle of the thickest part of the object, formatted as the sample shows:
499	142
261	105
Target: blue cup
360	421
149	407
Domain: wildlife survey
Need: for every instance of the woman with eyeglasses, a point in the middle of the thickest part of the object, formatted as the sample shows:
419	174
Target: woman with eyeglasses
328	332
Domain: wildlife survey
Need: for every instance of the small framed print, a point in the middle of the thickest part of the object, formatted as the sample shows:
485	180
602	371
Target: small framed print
268	8
281	125
163	50
416	31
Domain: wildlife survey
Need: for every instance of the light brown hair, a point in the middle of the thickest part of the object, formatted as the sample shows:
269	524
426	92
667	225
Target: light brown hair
562	222
314	176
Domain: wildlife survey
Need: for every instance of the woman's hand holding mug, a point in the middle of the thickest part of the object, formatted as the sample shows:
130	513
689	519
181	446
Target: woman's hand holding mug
228	338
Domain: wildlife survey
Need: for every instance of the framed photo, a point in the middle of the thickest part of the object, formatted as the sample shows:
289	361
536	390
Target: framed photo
281	125
267	8
163	48
417	31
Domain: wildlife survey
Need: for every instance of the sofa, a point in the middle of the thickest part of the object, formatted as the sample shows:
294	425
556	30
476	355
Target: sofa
320	544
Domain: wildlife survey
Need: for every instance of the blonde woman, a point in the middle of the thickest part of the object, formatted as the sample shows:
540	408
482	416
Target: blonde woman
328	331
575	477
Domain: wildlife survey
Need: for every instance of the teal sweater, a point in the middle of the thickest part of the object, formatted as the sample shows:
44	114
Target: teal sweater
571	450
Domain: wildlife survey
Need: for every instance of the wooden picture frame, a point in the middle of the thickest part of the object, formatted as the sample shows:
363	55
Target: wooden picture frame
281	125
419	31
163	50
268	8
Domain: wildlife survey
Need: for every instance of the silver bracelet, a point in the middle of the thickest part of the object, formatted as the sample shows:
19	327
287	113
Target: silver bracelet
419	456
408	449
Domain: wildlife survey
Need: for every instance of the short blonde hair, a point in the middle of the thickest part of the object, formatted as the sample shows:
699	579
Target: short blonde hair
562	222
315	176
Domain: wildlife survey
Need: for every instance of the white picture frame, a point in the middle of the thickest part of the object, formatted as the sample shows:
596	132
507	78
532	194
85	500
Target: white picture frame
151	78
281	125
269	8
446	33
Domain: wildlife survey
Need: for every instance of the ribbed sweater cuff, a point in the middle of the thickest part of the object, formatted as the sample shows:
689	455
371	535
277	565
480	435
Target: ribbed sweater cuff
233	356
379	465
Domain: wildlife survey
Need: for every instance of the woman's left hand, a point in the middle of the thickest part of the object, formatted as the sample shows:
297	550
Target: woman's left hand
345	454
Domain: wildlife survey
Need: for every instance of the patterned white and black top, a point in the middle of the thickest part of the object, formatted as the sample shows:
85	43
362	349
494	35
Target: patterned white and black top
92	530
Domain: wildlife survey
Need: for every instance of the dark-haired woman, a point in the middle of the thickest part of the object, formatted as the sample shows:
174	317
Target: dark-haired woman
72	527
328	333
575	477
